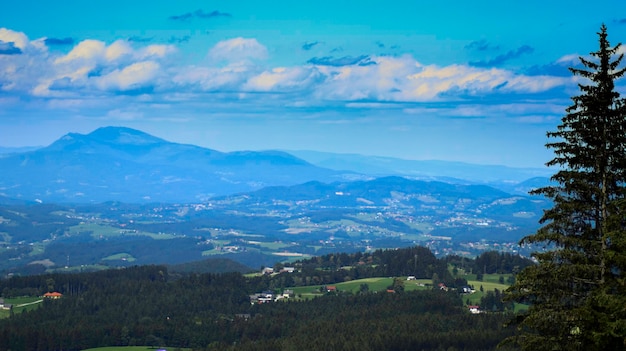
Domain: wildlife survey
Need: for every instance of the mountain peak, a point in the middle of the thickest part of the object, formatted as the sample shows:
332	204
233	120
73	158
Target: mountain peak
123	135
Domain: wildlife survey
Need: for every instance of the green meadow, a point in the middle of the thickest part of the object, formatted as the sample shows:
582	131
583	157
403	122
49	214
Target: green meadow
489	283
104	231
20	304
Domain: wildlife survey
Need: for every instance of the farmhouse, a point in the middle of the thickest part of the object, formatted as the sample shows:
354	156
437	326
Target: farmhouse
52	295
474	309
467	290
266	296
269	296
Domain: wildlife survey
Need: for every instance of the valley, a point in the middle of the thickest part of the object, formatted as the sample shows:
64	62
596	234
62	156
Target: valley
278	224
118	197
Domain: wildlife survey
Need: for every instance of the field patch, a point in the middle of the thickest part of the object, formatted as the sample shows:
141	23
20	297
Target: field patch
20	304
99	231
120	257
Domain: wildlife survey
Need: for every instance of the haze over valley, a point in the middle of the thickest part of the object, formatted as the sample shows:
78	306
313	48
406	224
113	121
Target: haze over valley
133	198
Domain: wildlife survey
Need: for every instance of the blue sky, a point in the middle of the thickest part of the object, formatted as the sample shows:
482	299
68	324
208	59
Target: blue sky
479	82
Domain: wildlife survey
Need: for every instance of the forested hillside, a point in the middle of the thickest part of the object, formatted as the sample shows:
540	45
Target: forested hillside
149	305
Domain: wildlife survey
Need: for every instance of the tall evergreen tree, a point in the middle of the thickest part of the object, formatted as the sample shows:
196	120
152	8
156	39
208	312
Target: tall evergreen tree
577	290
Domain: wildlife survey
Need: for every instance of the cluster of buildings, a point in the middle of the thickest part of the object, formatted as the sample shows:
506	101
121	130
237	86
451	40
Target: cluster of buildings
270	296
4	305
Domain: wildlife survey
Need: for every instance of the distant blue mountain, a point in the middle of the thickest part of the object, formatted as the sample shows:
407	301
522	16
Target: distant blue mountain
116	163
379	192
471	212
14	150
455	172
123	164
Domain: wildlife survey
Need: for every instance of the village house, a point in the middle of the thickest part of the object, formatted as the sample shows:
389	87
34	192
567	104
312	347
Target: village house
269	296
467	290
264	297
52	295
5	306
474	309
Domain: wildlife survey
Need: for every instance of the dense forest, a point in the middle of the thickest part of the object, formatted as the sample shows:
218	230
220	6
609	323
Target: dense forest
152	305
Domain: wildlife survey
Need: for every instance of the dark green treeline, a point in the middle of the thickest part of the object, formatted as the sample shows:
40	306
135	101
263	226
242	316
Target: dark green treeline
148	305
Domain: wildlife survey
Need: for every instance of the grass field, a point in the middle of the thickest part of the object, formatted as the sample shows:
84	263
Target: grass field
20	304
487	286
374	284
490	283
104	231
120	256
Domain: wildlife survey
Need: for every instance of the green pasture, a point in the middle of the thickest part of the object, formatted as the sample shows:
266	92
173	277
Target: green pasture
223	243
477	295
272	245
20	304
98	230
78	269
380	284
353	286
37	248
120	257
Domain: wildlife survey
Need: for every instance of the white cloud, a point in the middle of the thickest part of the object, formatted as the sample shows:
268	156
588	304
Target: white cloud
212	78
93	68
20	71
404	79
85	50
237	50
569	59
134	76
527	112
19	40
118	50
434	80
89	67
158	51
282	78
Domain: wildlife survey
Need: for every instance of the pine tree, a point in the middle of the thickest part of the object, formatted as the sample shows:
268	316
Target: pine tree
577	290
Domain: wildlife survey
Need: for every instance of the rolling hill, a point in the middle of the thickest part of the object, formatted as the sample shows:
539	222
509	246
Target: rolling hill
123	164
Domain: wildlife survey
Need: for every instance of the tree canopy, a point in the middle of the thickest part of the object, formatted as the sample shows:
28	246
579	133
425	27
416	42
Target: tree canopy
576	292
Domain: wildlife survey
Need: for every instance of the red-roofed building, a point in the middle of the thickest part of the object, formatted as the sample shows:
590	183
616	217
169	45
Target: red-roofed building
52	295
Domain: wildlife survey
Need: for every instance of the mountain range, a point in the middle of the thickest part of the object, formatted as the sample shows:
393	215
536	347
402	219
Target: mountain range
115	163
421	169
123	164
